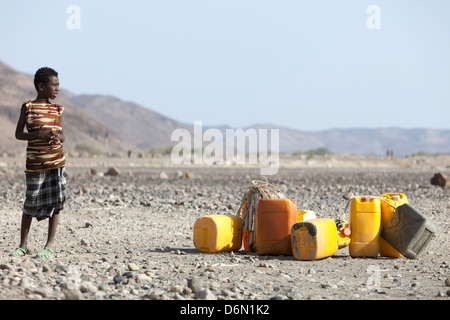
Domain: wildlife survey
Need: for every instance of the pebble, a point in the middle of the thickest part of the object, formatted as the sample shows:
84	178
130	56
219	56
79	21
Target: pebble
72	294
133	267
205	294
447	282
112	171
119	279
195	284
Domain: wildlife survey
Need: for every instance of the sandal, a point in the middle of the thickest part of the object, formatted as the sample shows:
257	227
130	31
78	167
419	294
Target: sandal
19	252
46	253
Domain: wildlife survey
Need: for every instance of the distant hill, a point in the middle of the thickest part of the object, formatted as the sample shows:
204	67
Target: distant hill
138	125
88	119
367	141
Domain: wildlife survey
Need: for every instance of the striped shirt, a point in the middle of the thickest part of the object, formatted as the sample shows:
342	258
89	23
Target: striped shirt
40	154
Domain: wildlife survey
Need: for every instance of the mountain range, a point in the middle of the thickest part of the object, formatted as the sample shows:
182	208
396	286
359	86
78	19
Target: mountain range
106	123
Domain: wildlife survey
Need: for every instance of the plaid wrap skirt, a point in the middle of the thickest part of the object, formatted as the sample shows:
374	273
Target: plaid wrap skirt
46	193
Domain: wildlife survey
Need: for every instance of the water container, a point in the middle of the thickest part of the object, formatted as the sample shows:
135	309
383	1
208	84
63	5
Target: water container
365	221
389	202
343	233
409	231
303	215
314	239
274	221
218	233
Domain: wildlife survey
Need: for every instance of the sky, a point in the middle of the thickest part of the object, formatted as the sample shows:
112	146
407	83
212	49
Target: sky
309	65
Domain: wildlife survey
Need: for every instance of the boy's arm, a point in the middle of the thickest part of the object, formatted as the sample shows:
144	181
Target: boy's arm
58	137
61	137
22	135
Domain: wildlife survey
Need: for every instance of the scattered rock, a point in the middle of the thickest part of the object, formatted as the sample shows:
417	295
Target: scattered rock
195	284
133	267
163	175
190	175
73	294
119	279
205	294
440	179
112	172
447	282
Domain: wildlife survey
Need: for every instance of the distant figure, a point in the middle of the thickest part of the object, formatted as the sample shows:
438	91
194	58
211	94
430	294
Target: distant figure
45	160
392	154
387	154
129	153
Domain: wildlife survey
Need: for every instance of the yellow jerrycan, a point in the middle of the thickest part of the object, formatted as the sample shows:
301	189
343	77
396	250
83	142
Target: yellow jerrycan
218	233
365	223
343	233
314	239
303	215
389	202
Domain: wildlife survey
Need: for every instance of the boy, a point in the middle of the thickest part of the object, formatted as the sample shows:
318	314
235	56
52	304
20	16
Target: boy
45	163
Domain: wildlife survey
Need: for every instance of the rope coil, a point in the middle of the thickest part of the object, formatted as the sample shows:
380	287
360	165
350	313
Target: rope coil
264	188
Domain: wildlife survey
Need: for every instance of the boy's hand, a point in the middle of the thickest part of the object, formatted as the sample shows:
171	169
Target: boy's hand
49	136
54	138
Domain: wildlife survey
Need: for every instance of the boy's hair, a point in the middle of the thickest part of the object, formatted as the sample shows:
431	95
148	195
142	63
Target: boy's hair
43	75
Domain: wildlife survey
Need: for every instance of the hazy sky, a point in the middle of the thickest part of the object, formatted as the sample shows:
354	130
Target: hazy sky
310	65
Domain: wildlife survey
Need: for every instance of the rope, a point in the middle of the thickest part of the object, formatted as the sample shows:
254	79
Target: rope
267	191
249	206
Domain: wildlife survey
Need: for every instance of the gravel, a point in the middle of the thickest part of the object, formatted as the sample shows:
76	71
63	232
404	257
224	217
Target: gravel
129	236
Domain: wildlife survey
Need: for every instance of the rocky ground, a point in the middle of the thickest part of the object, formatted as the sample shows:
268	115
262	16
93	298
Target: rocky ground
130	236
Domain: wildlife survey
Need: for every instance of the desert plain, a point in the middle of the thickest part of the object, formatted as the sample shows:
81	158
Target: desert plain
129	235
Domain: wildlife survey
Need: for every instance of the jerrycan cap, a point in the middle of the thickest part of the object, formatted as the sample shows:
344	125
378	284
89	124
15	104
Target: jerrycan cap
365	199
347	232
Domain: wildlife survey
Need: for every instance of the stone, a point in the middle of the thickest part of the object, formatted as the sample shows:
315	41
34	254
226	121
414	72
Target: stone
190	175
163	175
73	294
195	284
112	172
133	267
119	279
447	282
440	179
205	294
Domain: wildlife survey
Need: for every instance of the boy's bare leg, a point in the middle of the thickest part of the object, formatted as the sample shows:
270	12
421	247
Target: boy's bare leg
52	225
24	230
21	250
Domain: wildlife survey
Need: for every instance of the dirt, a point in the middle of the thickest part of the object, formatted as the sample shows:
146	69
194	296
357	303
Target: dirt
130	236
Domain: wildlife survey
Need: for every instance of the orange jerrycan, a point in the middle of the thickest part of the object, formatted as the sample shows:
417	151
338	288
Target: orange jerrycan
365	222
389	202
273	226
314	239
218	233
